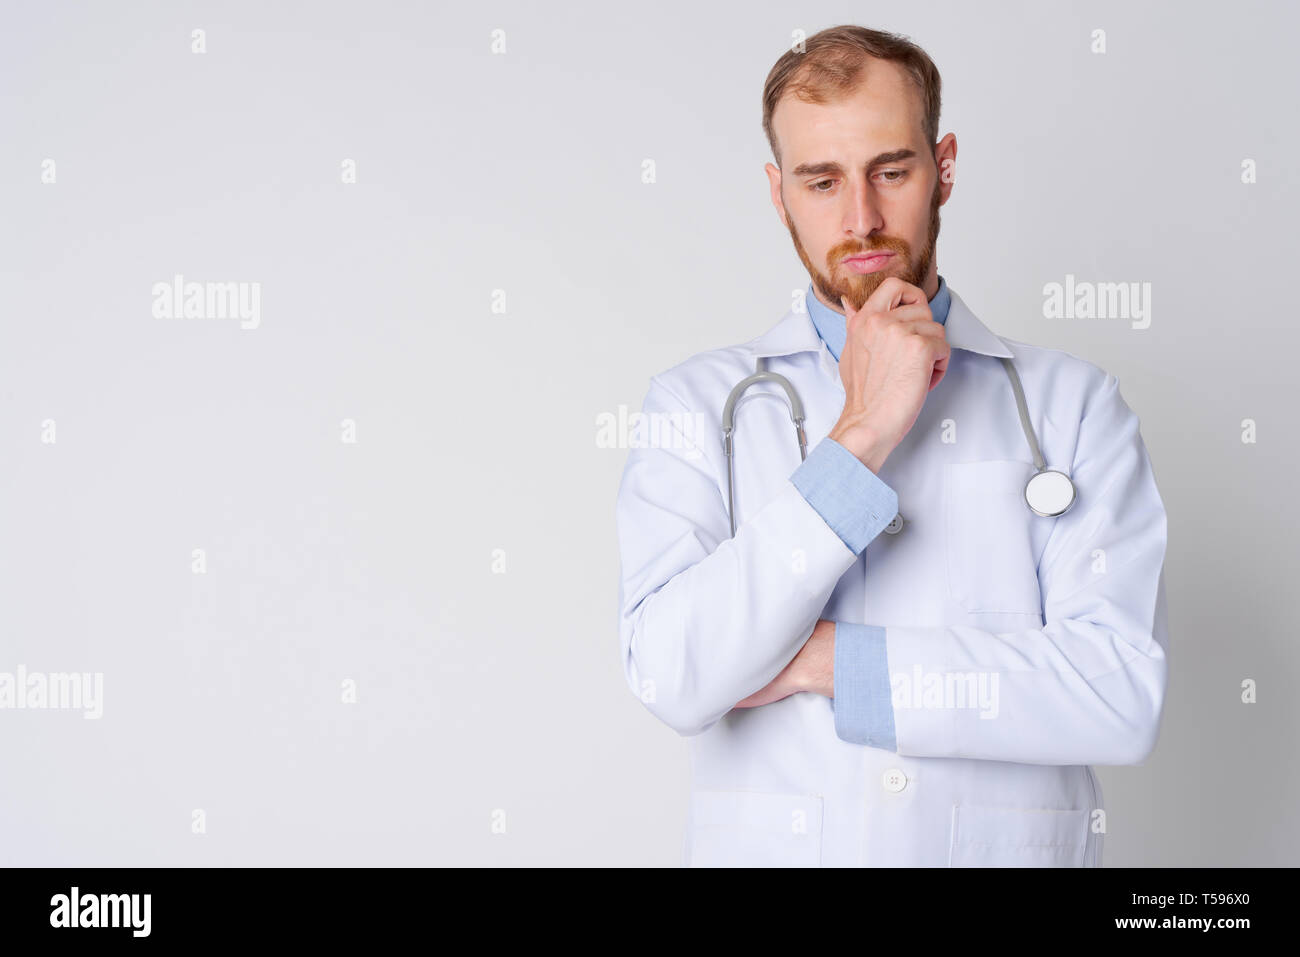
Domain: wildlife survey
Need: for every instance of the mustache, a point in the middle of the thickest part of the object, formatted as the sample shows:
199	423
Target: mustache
884	244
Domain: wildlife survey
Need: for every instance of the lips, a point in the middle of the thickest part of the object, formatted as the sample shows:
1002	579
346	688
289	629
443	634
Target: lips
868	262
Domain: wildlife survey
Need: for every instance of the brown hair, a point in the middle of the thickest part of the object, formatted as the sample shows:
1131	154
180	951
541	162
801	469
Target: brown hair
831	67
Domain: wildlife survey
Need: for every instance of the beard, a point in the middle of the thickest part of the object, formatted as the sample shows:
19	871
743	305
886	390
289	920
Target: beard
857	288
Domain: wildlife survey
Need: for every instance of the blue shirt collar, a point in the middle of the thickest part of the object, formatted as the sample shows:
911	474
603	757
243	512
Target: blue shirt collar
833	328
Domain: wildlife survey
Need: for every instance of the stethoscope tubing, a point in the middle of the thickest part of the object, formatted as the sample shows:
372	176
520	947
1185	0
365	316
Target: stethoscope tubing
762	374
729	425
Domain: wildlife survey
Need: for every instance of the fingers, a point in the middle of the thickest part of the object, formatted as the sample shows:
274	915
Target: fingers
928	328
896	320
891	294
917	316
936	375
912	317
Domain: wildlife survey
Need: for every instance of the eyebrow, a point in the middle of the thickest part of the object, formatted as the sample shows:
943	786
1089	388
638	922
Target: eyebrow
821	169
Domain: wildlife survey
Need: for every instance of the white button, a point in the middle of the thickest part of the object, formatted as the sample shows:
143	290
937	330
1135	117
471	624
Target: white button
895	525
895	780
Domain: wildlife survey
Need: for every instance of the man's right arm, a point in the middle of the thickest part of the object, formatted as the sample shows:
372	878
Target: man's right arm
705	620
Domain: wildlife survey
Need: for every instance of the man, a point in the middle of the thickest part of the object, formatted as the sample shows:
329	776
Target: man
893	660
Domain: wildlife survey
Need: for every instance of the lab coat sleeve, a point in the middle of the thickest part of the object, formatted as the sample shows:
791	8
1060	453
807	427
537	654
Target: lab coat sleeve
1088	686
705	620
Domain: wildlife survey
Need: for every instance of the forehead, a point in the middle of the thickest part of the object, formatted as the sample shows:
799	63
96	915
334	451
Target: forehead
883	113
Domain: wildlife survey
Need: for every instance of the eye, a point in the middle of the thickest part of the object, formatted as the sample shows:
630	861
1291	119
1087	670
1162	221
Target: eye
897	174
820	182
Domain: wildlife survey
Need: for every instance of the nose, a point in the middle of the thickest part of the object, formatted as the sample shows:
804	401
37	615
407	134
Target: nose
862	214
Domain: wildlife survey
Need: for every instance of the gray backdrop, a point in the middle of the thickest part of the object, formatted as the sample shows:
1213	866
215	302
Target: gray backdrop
455	563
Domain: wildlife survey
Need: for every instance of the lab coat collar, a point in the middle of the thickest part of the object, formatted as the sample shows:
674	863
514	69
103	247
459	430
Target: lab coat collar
796	333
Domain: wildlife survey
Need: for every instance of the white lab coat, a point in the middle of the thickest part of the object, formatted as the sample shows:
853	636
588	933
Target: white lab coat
1067	612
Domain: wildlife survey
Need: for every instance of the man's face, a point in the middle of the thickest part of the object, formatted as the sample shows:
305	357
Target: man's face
858	177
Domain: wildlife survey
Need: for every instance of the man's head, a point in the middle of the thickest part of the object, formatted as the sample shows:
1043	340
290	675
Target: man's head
853	122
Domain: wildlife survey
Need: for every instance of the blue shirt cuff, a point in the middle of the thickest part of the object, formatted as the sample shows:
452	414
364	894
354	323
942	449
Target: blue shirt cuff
864	709
853	500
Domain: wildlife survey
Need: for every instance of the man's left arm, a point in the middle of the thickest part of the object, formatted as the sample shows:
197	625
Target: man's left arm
1087	687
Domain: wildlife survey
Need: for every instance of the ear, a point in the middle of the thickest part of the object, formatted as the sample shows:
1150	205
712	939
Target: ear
945	159
774	183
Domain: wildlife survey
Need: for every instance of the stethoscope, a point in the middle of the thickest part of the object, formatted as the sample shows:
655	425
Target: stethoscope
1048	492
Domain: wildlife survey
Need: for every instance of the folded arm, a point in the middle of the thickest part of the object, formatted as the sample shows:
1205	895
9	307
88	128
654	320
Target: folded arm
1085	688
705	619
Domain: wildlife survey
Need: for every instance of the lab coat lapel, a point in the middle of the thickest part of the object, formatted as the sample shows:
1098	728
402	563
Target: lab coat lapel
964	331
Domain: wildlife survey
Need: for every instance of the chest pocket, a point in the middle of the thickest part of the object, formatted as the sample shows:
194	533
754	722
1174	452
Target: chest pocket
990	557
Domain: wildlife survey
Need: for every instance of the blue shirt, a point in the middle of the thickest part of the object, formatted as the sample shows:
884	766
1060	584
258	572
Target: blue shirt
857	505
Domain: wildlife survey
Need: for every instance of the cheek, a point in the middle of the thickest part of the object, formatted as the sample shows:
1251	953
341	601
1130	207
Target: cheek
815	238
917	213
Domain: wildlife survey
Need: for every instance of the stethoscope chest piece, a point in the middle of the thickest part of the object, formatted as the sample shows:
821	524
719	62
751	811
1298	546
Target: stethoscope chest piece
1049	493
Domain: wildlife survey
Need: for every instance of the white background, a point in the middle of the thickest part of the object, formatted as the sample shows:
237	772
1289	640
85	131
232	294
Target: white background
476	431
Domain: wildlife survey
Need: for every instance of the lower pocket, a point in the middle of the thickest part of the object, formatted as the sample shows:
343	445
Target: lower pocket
1017	837
754	829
